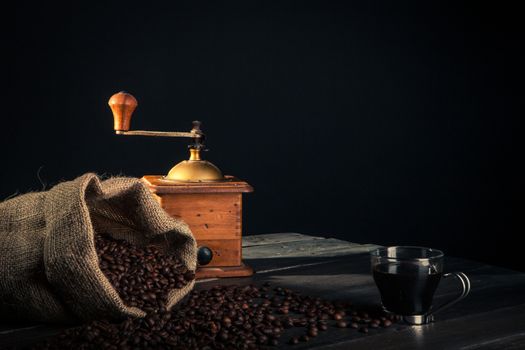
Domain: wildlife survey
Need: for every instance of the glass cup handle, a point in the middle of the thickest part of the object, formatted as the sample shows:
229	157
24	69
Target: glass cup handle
465	284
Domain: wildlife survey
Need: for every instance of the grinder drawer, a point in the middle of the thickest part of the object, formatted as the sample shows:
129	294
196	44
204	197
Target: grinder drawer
225	252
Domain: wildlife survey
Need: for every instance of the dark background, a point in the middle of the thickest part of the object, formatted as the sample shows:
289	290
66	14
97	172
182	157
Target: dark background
385	122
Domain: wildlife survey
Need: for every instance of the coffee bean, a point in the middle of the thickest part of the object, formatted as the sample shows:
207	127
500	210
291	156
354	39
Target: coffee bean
300	323
337	316
312	332
293	340
223	335
263	339
226	322
283	310
363	330
386	323
288	323
304	338
341	324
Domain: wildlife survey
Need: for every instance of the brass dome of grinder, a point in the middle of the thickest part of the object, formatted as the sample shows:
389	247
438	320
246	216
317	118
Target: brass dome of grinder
195	170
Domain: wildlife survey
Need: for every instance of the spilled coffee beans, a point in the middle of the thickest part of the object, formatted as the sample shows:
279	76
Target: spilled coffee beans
224	317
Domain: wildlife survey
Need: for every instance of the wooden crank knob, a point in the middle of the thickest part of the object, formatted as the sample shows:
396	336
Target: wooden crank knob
122	105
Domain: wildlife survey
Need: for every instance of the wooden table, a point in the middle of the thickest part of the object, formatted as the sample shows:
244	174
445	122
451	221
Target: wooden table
491	317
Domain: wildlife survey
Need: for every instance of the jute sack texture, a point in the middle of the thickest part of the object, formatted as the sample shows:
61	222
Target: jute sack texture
48	264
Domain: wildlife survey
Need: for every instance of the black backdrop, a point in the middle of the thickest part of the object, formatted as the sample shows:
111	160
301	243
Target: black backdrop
368	121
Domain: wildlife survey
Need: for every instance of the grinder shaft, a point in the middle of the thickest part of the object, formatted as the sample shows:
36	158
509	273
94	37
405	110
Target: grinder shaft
123	105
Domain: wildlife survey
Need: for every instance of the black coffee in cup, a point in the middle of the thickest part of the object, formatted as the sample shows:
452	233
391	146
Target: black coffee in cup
407	278
406	289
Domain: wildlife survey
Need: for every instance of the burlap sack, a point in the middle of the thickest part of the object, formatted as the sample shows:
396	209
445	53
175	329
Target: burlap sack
48	265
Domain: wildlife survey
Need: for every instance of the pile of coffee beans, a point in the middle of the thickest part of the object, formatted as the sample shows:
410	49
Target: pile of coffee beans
225	317
143	277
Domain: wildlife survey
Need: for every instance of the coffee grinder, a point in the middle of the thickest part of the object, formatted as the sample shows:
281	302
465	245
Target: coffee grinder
197	192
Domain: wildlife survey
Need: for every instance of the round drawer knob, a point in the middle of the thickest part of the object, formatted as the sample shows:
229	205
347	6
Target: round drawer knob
204	255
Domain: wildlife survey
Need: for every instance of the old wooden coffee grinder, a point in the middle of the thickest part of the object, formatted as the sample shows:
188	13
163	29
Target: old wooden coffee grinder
197	192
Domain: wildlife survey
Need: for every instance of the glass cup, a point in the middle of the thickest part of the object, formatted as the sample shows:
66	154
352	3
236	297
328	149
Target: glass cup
407	278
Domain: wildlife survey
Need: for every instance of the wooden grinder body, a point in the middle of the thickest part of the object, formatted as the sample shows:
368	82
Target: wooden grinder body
213	210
